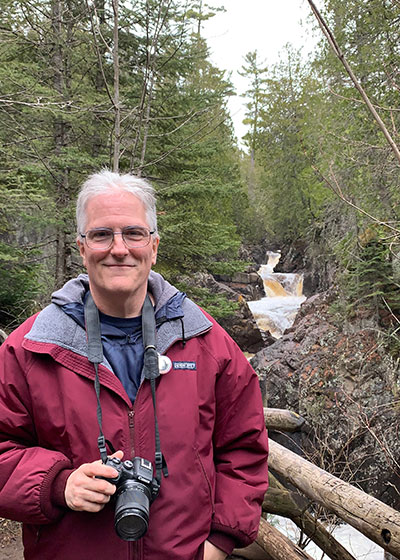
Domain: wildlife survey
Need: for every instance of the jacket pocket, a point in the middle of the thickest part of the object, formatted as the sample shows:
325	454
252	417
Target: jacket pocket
206	479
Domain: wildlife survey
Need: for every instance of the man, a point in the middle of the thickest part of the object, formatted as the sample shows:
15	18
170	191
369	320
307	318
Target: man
207	404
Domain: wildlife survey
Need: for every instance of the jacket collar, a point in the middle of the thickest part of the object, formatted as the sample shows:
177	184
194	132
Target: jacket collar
53	326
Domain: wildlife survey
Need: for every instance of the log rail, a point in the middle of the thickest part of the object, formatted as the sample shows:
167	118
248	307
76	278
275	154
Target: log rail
374	519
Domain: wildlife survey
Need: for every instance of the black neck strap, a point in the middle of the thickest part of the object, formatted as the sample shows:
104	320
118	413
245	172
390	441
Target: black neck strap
150	369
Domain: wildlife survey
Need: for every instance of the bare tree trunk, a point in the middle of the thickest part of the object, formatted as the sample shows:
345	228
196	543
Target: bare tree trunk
99	15
146	124
117	107
149	81
277	546
280	501
60	141
282	420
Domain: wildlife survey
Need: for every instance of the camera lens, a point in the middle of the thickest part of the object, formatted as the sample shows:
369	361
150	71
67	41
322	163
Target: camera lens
132	510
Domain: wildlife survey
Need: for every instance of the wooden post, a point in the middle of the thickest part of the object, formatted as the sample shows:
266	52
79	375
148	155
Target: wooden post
277	546
374	519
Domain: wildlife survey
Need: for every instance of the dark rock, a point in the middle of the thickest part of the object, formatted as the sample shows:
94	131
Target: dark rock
248	284
206	280
243	329
241	326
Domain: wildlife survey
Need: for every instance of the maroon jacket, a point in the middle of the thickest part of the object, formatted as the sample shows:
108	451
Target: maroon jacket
212	432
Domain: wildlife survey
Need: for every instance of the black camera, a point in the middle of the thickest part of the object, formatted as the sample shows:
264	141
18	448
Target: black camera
136	490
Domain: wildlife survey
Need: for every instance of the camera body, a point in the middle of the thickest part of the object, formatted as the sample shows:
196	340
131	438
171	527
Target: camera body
136	490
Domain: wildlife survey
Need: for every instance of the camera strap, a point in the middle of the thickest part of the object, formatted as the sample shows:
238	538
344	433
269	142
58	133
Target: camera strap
150	370
95	356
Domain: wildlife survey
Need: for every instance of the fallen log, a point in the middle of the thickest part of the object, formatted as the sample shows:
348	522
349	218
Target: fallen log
374	519
289	504
282	420
277	546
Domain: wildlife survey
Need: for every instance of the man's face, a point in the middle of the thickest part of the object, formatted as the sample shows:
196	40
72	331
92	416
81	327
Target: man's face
118	275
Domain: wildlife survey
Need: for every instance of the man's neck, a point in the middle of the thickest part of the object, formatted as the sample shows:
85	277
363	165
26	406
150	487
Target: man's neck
122	307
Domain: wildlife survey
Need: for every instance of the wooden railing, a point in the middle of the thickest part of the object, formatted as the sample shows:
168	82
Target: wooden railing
312	485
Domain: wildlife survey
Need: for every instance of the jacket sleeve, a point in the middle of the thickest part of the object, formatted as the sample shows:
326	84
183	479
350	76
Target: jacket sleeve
27	471
240	450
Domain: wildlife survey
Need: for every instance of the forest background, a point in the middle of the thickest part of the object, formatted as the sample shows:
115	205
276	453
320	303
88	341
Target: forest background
130	86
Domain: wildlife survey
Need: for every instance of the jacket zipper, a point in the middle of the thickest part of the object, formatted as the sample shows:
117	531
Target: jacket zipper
131	420
131	423
135	548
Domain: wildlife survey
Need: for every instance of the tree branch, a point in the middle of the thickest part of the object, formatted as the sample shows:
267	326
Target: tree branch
336	49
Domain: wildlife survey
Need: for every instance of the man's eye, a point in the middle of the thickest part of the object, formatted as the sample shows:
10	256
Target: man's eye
99	235
135	233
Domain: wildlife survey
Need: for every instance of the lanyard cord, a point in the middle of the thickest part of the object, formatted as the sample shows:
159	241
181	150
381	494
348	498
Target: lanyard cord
150	370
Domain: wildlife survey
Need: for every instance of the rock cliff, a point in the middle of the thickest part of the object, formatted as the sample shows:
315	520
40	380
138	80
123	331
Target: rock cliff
342	380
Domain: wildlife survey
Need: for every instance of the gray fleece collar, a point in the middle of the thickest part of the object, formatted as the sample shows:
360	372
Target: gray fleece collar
53	326
74	290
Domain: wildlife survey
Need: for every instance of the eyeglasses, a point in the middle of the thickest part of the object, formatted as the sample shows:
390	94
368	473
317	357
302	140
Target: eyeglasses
134	237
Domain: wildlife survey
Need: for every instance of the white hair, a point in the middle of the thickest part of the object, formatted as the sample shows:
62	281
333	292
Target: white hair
106	182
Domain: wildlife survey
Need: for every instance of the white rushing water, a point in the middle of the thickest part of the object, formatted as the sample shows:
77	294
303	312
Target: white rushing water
276	311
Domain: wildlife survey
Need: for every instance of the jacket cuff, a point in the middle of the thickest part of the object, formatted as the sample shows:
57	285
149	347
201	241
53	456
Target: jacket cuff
58	494
52	500
222	541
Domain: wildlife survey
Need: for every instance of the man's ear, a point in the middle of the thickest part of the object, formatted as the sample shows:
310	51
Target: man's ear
81	247
155	242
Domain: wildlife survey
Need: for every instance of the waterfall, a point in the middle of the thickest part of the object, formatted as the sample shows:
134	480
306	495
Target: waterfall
276	311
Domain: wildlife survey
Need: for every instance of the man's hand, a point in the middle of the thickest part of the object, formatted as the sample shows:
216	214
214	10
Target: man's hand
84	492
211	552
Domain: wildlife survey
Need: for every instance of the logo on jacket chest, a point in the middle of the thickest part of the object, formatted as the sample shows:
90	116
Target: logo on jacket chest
184	366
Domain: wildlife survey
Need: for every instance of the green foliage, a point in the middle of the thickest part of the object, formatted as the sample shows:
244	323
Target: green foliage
284	184
18	286
196	227
370	279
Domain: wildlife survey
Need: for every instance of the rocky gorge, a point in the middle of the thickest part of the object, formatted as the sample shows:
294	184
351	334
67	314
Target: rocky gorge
337	374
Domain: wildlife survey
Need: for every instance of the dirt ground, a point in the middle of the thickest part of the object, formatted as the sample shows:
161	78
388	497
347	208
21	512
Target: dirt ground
10	540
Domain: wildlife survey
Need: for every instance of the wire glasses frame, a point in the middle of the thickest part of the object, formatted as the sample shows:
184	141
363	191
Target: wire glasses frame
134	237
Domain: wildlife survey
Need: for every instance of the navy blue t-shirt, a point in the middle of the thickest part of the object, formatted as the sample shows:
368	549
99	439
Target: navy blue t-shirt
122	339
123	348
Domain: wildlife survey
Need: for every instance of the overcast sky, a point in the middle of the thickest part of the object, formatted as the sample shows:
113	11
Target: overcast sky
262	25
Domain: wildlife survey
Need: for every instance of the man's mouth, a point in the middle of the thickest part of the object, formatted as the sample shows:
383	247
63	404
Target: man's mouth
122	265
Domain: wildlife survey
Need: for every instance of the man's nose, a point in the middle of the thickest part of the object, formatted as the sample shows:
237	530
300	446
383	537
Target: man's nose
118	247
